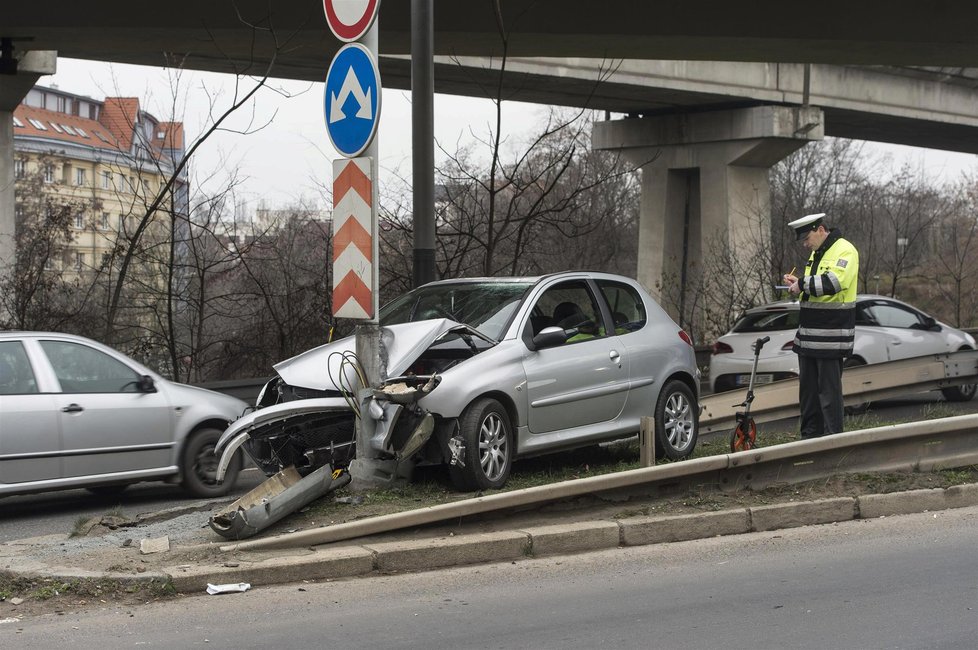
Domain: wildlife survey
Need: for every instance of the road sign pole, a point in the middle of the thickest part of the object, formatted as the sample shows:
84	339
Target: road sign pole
367	468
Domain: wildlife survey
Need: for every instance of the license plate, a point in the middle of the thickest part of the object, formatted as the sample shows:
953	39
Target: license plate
760	378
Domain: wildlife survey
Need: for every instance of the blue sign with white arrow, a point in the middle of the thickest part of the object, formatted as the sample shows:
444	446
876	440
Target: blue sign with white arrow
352	99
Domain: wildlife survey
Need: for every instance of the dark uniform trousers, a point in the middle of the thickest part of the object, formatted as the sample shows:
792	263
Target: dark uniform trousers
822	409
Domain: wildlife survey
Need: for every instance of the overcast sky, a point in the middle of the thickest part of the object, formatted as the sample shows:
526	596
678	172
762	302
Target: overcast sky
282	162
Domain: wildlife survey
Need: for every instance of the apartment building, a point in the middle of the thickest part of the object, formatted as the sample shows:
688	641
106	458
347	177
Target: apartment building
108	159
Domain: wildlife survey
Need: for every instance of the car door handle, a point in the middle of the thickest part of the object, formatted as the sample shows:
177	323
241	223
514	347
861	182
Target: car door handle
72	408
613	355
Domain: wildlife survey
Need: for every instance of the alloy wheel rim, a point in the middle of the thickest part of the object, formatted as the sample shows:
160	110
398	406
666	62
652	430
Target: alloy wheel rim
678	421
493	447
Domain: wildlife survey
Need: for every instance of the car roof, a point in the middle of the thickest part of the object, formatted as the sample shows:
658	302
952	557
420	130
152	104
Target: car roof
794	304
530	279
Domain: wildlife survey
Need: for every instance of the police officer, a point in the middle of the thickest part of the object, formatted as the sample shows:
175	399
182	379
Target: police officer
826	328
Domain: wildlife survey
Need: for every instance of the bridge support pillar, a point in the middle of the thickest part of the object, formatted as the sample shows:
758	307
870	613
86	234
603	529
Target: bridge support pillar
13	89
705	191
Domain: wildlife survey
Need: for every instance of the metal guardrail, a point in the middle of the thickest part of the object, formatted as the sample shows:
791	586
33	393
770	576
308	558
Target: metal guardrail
924	446
860	384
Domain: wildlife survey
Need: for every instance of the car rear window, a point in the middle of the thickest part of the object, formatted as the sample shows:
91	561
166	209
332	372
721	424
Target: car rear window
768	321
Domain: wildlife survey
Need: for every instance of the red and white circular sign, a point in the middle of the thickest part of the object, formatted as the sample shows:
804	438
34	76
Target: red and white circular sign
350	19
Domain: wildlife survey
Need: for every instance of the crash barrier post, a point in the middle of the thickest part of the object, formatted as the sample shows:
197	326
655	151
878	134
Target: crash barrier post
944	443
646	442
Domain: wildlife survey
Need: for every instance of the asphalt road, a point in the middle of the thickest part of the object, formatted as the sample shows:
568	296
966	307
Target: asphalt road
51	513
57	512
897	582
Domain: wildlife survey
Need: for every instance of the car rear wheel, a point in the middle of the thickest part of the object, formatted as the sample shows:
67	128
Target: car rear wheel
488	438
862	407
675	421
198	465
962	393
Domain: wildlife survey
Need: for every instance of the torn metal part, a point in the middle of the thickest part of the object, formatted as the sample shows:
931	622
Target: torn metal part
276	498
456	447
407	390
418	437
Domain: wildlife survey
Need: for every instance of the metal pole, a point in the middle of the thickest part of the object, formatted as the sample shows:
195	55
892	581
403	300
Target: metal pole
423	138
368	331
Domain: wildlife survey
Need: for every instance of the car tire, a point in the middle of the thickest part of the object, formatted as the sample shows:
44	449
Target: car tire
862	407
198	465
962	393
488	438
676	425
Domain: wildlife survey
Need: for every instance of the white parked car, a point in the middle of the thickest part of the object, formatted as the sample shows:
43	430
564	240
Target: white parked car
886	330
77	414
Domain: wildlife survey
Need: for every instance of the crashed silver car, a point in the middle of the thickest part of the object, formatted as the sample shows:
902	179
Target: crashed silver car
480	372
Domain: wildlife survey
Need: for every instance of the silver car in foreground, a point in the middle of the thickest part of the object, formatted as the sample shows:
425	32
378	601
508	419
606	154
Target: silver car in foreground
480	372
78	414
886	330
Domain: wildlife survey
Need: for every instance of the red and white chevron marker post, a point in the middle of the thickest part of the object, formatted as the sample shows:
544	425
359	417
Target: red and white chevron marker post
353	239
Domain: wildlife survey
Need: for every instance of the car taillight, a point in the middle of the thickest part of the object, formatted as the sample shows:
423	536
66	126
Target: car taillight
721	348
789	345
684	336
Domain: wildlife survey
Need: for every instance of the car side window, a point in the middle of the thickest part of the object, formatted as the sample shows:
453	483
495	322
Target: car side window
81	369
569	306
16	374
627	308
888	315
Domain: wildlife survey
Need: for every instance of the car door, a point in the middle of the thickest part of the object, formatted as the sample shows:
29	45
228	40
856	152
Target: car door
585	380
30	435
904	330
108	424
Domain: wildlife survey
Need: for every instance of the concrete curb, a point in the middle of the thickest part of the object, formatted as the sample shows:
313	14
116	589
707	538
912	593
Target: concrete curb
285	566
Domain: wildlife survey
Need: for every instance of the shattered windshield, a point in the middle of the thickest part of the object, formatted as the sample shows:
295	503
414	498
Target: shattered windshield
485	306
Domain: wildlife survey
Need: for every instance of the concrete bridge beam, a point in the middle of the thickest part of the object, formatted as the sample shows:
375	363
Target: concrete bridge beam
705	186
13	89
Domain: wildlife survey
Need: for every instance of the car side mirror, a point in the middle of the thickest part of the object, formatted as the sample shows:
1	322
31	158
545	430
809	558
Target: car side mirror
146	384
931	325
550	337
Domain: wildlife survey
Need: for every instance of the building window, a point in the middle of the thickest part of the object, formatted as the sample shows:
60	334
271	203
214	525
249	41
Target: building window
81	132
49	173
62	104
106	260
80	221
122	223
20	168
80	176
79	260
105	221
18	122
106	180
55	127
37	124
68	129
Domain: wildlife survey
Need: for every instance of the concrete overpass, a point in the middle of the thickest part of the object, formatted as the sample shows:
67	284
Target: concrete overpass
743	116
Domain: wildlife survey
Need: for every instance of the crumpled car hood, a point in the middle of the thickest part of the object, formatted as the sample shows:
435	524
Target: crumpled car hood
403	342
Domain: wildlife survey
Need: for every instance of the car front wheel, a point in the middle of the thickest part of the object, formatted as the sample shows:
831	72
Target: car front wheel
488	438
198	466
675	421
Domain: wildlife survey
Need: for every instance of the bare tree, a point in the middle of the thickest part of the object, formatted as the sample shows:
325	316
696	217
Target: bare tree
45	291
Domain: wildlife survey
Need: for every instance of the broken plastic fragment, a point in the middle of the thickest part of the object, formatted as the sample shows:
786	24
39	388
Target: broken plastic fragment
228	588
